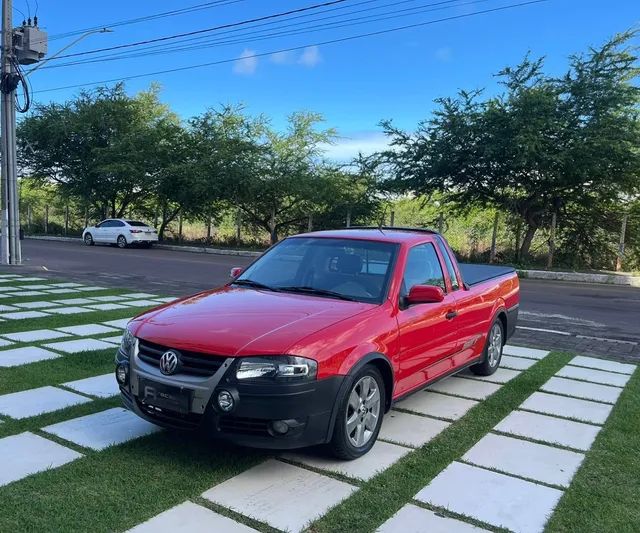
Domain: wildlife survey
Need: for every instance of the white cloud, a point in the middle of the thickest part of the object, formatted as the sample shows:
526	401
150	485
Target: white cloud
247	63
281	58
347	148
310	56
444	54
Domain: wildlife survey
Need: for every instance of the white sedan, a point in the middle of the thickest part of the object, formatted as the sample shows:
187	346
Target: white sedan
120	232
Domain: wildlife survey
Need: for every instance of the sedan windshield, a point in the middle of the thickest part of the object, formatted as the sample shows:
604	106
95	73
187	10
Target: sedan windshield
345	269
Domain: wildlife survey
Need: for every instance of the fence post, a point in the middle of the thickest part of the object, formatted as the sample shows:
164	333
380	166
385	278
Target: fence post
440	223
208	228
392	218
348	218
46	219
623	231
310	222
180	228
552	239
29	218
86	217
66	219
517	241
494	238
238	226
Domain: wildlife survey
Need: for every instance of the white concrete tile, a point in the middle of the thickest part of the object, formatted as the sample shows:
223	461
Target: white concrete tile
521	351
517	363
467	388
66	285
4	296
438	405
101	430
108	299
4	342
602	364
23	315
284	496
5	308
31	279
117	339
61	291
496	499
121	323
139	295
414	519
594	376
32	287
87	329
9	288
166	300
549	429
140	303
91	288
35	335
33	305
69	310
103	386
35	402
25	355
584	410
578	389
190	518
9	276
410	430
25	454
525	459
501	376
74	301
80	345
379	458
106	307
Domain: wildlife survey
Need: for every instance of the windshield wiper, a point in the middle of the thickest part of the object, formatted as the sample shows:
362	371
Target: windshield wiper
253	284
318	292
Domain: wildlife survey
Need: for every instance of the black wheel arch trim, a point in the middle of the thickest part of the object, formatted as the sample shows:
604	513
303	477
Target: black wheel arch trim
348	380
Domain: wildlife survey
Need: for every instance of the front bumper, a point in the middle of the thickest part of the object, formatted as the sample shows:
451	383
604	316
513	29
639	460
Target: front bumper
307	408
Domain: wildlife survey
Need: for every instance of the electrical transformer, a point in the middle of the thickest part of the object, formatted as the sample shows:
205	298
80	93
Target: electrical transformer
30	44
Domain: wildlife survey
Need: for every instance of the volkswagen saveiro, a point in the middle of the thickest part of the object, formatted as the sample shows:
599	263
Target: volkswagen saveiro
314	341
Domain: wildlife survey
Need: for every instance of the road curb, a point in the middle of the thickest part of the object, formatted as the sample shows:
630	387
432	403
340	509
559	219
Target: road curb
172	247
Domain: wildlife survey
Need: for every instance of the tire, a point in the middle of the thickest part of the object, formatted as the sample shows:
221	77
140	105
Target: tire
88	239
492	350
358	422
121	241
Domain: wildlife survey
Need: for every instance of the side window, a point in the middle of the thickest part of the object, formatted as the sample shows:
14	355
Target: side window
449	264
106	224
117	223
423	268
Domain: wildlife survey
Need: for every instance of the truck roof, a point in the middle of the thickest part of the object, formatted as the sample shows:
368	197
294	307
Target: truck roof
381	234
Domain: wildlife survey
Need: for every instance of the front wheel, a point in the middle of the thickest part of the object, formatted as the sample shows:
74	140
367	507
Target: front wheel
121	242
88	239
360	413
492	351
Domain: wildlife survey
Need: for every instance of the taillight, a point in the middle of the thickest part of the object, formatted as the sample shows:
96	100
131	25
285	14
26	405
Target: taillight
135	230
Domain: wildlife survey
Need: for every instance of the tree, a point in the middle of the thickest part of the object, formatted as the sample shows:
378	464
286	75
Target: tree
544	144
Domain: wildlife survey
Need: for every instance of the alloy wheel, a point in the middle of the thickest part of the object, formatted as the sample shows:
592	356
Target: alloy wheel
494	349
363	411
122	242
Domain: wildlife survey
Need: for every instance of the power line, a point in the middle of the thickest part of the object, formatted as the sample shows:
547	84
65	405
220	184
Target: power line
261	35
297	48
137	20
206	30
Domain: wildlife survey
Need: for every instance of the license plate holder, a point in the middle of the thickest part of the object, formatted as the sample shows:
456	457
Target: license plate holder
177	399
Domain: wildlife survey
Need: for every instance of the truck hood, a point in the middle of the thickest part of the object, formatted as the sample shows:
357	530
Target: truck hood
237	321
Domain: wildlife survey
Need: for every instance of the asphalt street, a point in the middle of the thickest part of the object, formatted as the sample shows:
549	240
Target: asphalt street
578	315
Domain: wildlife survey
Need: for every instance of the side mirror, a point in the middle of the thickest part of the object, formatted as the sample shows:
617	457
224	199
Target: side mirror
424	294
235	272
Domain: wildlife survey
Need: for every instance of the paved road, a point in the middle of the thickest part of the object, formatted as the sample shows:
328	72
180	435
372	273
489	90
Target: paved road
581	310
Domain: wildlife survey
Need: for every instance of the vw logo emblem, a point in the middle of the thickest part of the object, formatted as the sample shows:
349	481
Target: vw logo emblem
169	362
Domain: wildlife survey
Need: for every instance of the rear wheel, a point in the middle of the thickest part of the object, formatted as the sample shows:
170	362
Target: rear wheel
360	413
492	351
121	242
88	239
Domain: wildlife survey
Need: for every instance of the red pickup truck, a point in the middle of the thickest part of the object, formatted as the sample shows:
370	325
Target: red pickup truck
315	340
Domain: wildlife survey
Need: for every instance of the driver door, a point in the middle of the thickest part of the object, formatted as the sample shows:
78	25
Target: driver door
428	332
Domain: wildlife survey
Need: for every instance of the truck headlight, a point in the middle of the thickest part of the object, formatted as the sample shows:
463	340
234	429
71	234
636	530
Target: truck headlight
128	343
277	367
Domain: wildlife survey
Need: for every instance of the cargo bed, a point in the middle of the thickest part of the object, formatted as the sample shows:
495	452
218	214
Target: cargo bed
472	273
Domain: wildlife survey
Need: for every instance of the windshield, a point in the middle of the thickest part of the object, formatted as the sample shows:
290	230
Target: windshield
351	269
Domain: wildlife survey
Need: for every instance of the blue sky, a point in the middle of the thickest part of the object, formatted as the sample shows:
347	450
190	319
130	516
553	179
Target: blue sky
353	84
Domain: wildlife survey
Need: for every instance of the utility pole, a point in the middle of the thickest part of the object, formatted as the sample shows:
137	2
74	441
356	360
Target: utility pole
21	46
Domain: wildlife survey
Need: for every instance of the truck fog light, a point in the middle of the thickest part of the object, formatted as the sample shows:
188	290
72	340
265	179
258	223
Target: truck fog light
225	401
122	374
279	426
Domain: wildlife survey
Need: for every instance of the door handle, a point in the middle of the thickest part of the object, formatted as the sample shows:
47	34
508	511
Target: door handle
451	315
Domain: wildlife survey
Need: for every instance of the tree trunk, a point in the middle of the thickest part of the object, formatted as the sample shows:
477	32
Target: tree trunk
516	246
273	231
494	238
528	239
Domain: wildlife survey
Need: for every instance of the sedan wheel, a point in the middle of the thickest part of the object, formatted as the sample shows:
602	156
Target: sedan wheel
122	242
88	239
